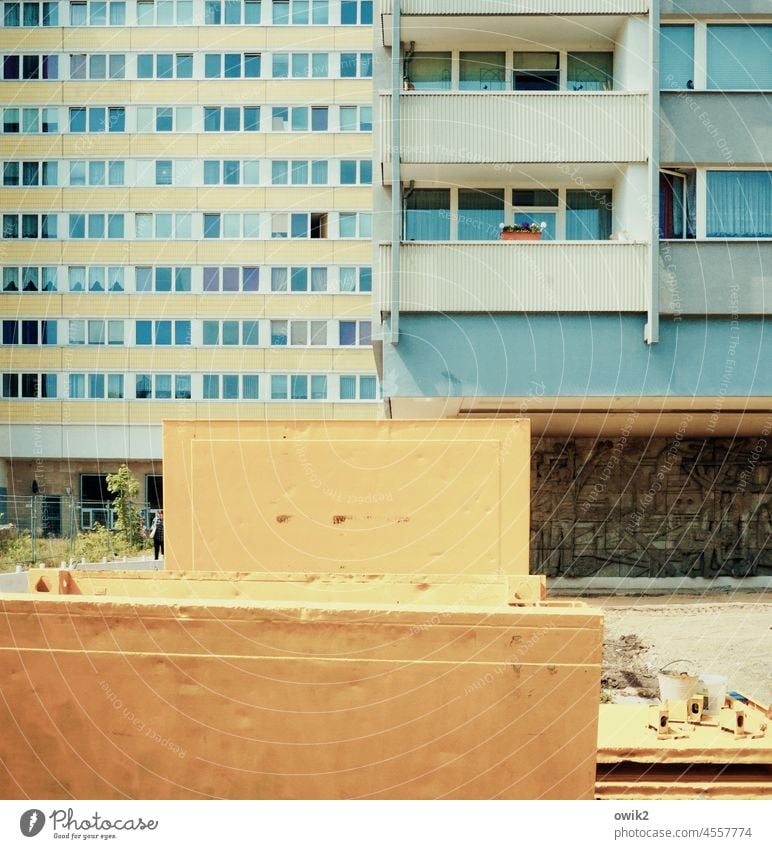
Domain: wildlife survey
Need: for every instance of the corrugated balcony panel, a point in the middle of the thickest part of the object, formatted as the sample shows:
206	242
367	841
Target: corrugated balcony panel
517	7
450	277
470	127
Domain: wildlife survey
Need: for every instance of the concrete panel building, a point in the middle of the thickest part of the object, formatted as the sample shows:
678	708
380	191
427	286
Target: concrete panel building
186	207
636	138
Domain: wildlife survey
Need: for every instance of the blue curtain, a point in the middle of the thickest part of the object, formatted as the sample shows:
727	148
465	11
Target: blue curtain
739	57
676	56
427	217
480	212
588	214
740	204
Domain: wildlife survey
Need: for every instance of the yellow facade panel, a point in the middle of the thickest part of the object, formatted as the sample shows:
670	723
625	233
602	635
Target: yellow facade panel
46	93
295	197
154	412
108	92
34	40
163	144
31	252
300	91
365	412
298	359
299	252
111	199
165	92
286	145
219	92
360	144
18	146
168	305
179	360
40	305
41	411
103	412
97	146
161	198
93	357
299	38
352	306
220	359
360	197
311	306
359	252
233	306
222	145
353	91
95	252
353	38
354	359
77	39
244	39
94	305
163	38
42	200
227	200
181	252
31	358
233	252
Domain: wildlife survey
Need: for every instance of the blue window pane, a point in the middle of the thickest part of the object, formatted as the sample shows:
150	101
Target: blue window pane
251	280
77	226
251	119
145	67
117	116
163	279
182	387
367	387
739	57
163	333
212	172
182	280
348	64
319	116
249	333
144	333
232	66
348	333
143	386
299	225
366	172
96	120
250	387
676	63
115	226
299	280
211	120
299	387
96	226
299	119
348	12
348	388
365	279
77	120
348	172
211	333
232	119
739	204
252	65
280	65
182	333
212	62
163	386
211	387
278	387
211	226
366	65
230	387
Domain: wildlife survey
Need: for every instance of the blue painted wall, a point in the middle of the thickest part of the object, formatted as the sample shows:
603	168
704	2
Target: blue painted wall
577	355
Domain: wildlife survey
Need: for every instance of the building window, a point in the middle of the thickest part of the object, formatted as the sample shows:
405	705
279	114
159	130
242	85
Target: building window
230	333
588	214
29	385
536	71
740	57
355	172
231	119
429	71
231	279
537	206
164	13
31	14
298	387
355	119
739	204
230	387
162	332
480	214
676	56
29	279
427	215
355	279
481	71
231	12
356	12
355	333
357	387
162	279
353	65
590	71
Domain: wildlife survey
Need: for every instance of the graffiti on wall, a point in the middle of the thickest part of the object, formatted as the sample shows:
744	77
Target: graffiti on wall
652	507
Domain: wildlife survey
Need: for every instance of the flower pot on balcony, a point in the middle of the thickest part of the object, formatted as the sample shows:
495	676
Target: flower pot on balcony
519	236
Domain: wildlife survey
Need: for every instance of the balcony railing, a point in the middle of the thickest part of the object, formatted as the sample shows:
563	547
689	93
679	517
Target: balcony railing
517	277
518	127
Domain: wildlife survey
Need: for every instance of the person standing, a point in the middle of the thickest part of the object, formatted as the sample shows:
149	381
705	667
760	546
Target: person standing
157	533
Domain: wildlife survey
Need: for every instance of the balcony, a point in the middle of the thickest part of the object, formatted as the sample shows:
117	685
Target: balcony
501	128
500	277
530	19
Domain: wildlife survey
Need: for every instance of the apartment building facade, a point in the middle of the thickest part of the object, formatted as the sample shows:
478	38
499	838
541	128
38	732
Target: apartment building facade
636	137
186	232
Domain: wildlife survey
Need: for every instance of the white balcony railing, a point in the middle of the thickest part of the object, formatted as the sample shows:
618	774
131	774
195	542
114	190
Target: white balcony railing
515	127
518	7
449	277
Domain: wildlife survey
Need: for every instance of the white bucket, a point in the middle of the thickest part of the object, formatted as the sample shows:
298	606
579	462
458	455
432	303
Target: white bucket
676	686
713	688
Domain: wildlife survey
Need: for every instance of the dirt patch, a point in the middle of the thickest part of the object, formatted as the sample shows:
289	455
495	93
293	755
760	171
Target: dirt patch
625	668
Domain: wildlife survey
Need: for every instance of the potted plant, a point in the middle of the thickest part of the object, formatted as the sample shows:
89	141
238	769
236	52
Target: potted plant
522	232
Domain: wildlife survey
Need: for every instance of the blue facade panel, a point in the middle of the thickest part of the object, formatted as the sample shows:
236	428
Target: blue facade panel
577	355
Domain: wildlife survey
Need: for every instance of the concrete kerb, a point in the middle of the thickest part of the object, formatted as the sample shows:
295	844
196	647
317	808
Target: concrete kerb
604	586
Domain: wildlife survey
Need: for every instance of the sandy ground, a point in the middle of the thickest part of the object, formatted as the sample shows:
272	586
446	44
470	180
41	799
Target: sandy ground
724	635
